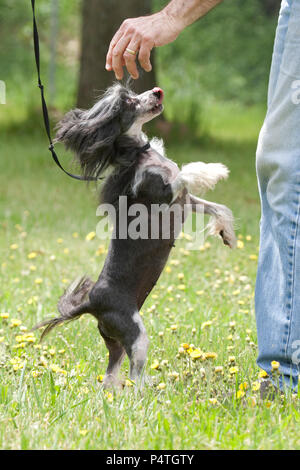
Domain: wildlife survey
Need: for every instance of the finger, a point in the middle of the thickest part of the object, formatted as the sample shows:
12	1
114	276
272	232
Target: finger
130	57
117	56
144	54
112	44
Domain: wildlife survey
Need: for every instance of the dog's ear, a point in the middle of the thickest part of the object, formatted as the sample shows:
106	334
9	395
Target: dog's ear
66	129
92	134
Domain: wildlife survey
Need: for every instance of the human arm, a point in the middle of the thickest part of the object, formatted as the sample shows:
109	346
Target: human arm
143	33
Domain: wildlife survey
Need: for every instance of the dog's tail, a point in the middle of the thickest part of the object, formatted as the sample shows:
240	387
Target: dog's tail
72	304
199	177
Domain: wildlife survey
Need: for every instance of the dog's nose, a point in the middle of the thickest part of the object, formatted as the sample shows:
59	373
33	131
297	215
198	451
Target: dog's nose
158	92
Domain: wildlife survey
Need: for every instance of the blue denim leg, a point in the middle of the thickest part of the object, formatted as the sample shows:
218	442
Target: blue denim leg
277	296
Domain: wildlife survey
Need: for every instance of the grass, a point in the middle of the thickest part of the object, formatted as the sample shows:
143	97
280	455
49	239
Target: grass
50	394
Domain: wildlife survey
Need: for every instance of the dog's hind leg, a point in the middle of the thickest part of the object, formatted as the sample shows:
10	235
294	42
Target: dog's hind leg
116	355
127	329
136	349
221	222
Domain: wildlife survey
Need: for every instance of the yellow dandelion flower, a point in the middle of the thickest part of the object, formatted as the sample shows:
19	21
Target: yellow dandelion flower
109	396
181	286
253	257
243	386
14	246
200	292
175	262
213	401
100	378
75	235
185	345
18	366
268	404
240	394
240	244
219	369
262	374
210	355
83	432
155	364
129	383
4	315
15	322
168	269
233	370
66	251
231	359
174	327
206	324
35	373
196	354
38	280
1	339
32	267
161	386
90	236
275	365
173	375
60	241
255	386
180	275
32	255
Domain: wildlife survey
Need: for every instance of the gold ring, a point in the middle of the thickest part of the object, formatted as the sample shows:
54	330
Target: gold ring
130	51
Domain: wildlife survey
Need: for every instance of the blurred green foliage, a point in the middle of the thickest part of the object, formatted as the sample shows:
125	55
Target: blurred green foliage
224	57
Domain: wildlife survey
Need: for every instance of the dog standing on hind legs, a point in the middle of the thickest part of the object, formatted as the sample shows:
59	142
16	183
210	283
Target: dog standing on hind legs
109	136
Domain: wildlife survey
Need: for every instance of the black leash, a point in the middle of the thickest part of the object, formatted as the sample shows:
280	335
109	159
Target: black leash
44	105
45	109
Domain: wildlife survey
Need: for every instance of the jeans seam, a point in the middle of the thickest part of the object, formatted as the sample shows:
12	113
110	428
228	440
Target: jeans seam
292	254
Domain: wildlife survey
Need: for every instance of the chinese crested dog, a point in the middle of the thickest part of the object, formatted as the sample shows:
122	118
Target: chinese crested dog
109	137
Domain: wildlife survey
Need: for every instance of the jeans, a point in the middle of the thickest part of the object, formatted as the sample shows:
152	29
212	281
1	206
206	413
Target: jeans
277	293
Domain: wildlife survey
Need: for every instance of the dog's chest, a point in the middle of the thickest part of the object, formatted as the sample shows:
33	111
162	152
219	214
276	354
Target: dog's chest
157	163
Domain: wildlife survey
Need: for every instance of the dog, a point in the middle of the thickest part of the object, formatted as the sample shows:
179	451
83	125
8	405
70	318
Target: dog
108	139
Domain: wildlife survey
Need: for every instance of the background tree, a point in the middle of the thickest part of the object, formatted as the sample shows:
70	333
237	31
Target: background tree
270	6
100	20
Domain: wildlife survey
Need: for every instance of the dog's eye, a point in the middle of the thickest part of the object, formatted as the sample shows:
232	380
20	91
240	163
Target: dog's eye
130	102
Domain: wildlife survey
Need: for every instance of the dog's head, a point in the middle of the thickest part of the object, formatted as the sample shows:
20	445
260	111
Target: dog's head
95	135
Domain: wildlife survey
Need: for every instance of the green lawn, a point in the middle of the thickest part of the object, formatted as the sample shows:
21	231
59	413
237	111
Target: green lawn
50	394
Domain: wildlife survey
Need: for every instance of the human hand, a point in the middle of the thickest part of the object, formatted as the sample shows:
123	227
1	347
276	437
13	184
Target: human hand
140	35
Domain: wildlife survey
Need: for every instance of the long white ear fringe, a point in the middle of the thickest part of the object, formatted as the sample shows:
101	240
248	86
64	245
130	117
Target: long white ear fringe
199	177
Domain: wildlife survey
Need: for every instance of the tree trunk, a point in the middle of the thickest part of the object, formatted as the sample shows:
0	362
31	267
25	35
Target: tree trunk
100	21
271	6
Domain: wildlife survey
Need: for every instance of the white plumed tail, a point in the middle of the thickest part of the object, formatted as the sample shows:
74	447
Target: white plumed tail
199	177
